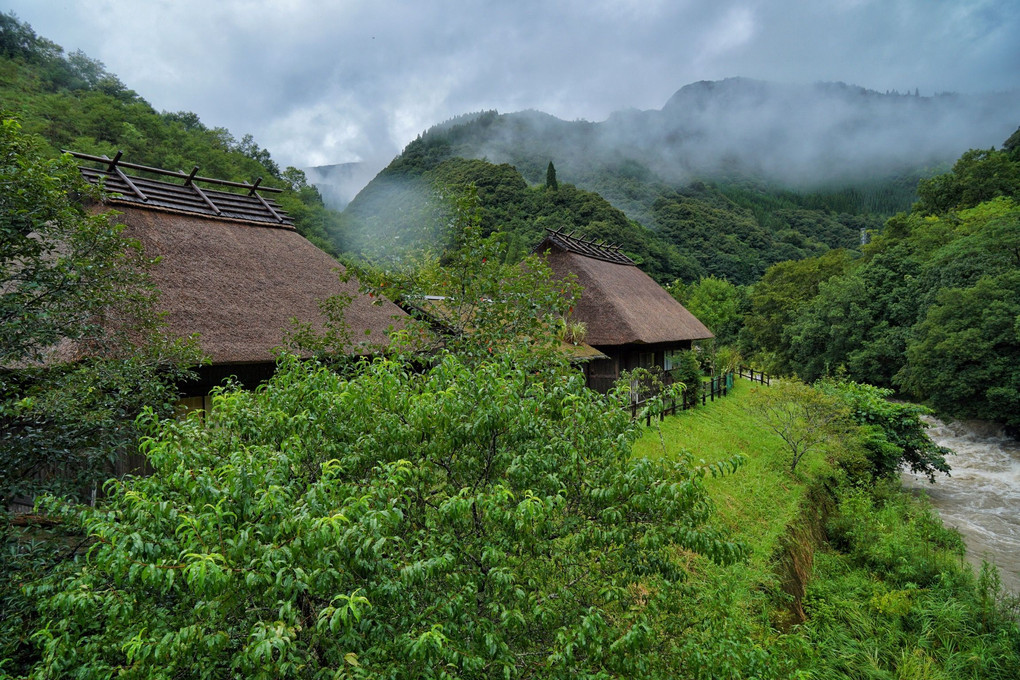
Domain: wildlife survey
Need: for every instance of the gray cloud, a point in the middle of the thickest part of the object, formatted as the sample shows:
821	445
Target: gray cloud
348	80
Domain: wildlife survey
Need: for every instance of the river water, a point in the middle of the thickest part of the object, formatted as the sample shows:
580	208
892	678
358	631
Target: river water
982	497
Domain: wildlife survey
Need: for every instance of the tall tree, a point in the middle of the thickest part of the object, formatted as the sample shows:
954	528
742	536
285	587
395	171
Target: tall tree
81	356
550	177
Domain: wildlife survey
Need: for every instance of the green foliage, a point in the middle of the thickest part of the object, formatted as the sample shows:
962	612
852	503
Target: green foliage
409	209
978	176
889	595
737	232
81	355
717	303
687	371
28	553
550	178
963	354
466	521
896	436
489	307
803	417
72	289
60	267
73	102
777	300
929	307
896	602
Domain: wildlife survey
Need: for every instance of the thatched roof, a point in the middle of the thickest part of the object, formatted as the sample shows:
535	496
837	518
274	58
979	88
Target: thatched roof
620	304
232	268
239	285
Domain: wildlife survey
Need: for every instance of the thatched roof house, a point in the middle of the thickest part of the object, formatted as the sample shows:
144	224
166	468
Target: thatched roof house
233	269
630	318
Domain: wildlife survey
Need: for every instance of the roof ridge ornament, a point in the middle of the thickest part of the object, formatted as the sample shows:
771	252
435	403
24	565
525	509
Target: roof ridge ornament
188	196
599	250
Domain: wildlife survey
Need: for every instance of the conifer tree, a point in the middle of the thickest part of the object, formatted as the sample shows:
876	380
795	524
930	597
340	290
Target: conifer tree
550	177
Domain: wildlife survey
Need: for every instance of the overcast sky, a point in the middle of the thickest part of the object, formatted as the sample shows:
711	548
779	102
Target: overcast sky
331	81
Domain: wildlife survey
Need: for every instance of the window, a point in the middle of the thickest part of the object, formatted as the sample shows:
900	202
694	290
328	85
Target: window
672	358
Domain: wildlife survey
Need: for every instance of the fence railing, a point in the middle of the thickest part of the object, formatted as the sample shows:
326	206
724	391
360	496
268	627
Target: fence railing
754	376
718	386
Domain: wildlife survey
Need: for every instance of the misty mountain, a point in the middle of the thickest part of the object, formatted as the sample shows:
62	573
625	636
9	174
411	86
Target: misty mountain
803	137
702	230
733	175
339	183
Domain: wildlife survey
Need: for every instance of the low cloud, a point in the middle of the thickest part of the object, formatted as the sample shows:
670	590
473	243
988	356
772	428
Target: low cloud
321	83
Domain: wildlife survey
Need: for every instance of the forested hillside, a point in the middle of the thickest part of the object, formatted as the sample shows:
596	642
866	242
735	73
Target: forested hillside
730	177
733	231
931	307
74	103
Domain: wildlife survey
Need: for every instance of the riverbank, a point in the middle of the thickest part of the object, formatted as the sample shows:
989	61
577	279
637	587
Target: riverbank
982	496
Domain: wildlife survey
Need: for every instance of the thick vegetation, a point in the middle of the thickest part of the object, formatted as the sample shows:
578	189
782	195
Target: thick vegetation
848	577
81	355
464	522
81	352
407	208
930	308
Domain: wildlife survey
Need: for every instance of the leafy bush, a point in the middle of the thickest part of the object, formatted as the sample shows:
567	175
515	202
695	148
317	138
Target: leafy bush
898	602
894	434
473	520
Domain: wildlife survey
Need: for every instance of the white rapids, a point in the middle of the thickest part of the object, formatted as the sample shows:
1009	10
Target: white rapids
981	498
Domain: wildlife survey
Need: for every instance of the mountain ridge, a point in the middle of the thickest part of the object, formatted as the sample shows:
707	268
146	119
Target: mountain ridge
726	179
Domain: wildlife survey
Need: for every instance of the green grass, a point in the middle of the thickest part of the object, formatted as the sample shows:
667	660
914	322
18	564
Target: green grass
762	497
886	589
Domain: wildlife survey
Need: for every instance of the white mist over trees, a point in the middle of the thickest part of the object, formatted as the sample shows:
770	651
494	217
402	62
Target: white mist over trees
801	135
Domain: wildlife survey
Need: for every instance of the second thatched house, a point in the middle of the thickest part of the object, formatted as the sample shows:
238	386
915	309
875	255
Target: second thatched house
630	318
232	269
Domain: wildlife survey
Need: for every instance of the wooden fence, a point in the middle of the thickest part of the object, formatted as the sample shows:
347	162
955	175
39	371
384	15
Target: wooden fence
754	376
718	386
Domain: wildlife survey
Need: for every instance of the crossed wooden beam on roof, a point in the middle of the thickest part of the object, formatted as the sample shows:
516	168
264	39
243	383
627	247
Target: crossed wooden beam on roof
113	168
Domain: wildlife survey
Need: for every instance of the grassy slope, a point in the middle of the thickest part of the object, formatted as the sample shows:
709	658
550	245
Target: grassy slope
742	604
881	604
758	501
